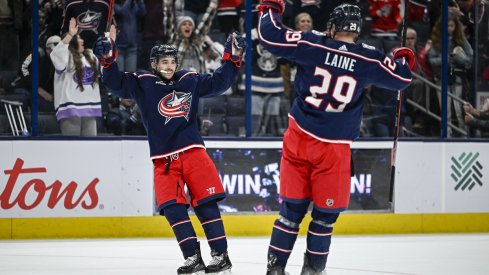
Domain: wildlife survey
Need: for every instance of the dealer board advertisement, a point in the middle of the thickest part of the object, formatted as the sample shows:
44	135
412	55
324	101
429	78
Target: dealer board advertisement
251	178
466	167
75	179
114	178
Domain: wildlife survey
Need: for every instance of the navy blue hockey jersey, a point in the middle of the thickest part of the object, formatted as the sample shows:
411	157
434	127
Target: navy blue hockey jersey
169	109
331	76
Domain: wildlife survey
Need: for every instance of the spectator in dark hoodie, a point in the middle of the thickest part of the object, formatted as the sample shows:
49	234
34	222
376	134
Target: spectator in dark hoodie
126	15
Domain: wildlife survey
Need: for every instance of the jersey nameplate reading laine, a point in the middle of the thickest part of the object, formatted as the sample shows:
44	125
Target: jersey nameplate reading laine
340	61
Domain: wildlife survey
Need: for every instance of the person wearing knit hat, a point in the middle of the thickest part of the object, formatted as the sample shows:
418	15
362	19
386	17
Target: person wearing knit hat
52	41
185	26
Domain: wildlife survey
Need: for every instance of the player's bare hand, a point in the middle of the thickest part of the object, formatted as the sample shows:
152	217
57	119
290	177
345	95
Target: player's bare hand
113	32
73	28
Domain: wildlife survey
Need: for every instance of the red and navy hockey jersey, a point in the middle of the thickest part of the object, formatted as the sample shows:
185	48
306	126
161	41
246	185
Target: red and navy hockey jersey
169	109
331	76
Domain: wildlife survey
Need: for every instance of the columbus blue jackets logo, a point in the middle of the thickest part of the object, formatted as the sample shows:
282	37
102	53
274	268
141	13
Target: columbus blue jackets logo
89	20
175	105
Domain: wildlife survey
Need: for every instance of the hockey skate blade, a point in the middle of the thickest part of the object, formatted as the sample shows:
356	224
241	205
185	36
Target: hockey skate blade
224	272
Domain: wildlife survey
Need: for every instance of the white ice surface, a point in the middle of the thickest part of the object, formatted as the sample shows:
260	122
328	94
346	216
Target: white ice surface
458	254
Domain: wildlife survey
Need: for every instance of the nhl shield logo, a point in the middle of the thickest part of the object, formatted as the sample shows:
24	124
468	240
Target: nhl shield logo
174	105
329	202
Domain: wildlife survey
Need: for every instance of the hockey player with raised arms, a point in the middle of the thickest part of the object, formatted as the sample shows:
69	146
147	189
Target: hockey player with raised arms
168	100
332	72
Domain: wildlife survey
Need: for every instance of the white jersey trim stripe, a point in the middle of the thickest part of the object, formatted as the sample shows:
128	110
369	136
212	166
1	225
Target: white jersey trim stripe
319	234
356	56
214	220
146	75
184	240
286	230
186	75
216	239
318	253
280	249
178	151
270	42
340	141
178	223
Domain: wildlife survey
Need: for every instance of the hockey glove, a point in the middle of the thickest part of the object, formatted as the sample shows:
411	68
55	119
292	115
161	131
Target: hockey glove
405	53
106	51
277	5
234	48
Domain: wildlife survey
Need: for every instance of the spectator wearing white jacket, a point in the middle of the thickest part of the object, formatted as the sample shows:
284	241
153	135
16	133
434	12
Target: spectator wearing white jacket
76	89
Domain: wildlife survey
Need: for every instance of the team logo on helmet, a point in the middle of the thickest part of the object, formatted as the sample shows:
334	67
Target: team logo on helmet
174	105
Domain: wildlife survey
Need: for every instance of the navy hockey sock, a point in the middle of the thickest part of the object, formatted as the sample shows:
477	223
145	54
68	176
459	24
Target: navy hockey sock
319	238
210	218
285	231
177	216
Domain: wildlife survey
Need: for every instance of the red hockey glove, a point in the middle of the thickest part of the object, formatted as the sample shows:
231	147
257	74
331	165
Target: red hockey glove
405	53
277	5
234	48
106	51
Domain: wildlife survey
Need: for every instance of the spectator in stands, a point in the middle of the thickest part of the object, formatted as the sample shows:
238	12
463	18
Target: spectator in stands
197	9
268	89
464	9
156	28
91	18
477	119
386	18
212	53
189	39
11	24
125	119
417	90
25	36
53	10
228	14
126	16
417	17
460	60
46	76
76	89
319	11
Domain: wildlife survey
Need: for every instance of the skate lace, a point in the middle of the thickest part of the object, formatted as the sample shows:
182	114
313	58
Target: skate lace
216	260
190	261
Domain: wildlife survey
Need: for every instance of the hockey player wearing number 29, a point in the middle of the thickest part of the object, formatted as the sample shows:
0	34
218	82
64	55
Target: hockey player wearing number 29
332	71
168	101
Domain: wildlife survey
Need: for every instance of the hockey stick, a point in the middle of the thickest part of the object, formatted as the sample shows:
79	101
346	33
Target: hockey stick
397	126
110	16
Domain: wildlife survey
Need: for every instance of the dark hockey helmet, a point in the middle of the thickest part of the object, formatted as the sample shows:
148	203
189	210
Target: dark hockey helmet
346	18
162	50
